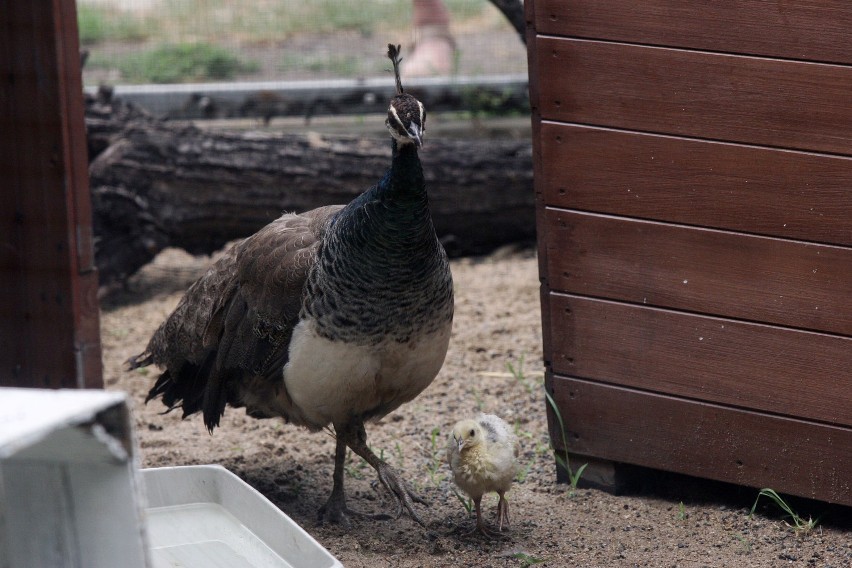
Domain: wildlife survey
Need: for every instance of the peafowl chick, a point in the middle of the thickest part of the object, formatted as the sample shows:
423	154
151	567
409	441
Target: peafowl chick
328	319
482	454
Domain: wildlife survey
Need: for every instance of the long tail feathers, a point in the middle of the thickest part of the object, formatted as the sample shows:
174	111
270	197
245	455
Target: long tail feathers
193	389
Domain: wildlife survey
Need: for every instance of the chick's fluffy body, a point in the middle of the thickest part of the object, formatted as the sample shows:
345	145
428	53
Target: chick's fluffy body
482	455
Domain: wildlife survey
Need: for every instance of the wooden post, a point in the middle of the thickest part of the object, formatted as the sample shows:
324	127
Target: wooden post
49	328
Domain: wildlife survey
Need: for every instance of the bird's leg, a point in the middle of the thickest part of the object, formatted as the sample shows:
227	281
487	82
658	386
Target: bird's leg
480	524
502	511
335	509
399	489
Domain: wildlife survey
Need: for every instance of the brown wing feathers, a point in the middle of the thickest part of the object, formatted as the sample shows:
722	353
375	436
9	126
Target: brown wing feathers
236	321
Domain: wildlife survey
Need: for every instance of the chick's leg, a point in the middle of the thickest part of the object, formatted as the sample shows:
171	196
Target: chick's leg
335	509
502	511
480	524
356	439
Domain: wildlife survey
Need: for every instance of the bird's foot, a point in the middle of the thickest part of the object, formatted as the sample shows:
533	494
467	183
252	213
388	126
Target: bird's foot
354	436
335	511
480	523
489	534
401	492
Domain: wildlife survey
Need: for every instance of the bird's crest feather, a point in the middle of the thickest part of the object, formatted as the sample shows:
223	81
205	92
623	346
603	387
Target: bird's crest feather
394	55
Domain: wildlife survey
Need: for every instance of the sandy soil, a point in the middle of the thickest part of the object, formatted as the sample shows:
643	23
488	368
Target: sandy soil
672	522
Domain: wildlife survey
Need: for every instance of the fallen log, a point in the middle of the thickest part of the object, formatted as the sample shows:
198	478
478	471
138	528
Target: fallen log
157	184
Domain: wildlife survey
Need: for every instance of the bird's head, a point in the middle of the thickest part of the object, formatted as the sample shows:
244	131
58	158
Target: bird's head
406	120
467	434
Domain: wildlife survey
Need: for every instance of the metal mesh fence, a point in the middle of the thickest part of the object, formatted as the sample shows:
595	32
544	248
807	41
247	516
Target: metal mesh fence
186	41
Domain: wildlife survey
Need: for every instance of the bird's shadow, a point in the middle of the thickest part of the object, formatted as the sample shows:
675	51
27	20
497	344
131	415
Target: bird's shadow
300	490
296	489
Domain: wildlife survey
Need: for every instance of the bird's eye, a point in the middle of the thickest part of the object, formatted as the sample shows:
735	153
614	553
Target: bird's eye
472	433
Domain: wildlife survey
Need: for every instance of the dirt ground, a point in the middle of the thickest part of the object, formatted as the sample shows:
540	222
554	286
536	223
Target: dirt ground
671	522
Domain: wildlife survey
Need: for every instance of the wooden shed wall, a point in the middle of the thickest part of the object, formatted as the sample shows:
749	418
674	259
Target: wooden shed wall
49	328
693	169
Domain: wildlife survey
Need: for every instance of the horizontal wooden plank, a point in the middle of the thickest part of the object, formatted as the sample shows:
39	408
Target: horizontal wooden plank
789	283
817	31
761	367
730	186
705	440
767	102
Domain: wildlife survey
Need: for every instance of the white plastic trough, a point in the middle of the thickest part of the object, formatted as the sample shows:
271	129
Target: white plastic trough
72	496
208	517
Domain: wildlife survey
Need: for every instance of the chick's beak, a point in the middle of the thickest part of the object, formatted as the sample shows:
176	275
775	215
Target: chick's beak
459	442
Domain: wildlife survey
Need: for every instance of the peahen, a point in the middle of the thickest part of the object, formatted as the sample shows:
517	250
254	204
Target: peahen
329	318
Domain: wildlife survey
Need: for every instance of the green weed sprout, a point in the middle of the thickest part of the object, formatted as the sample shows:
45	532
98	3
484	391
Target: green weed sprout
434	465
527	560
466	503
799	524
573	476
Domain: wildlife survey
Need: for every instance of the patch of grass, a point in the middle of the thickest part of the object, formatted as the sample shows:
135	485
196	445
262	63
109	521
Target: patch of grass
466	502
182	62
400	456
483	103
477	397
573	476
435	458
466	9
97	24
356	470
745	544
530	383
681	511
260	21
265	22
798	523
523	472
517	371
527	560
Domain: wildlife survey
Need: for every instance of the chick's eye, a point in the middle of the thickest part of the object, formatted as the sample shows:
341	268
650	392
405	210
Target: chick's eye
472	433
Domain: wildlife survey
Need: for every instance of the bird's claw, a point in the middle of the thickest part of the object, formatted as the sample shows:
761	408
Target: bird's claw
486	532
402	494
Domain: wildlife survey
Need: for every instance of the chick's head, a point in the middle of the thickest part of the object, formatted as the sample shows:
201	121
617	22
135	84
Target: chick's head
467	434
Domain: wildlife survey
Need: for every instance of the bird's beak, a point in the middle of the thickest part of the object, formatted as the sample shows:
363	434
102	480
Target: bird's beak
459	442
416	135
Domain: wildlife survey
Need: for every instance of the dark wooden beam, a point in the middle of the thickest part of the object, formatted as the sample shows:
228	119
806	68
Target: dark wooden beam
48	306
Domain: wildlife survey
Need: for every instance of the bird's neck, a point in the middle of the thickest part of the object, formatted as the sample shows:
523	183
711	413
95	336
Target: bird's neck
404	180
381	262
